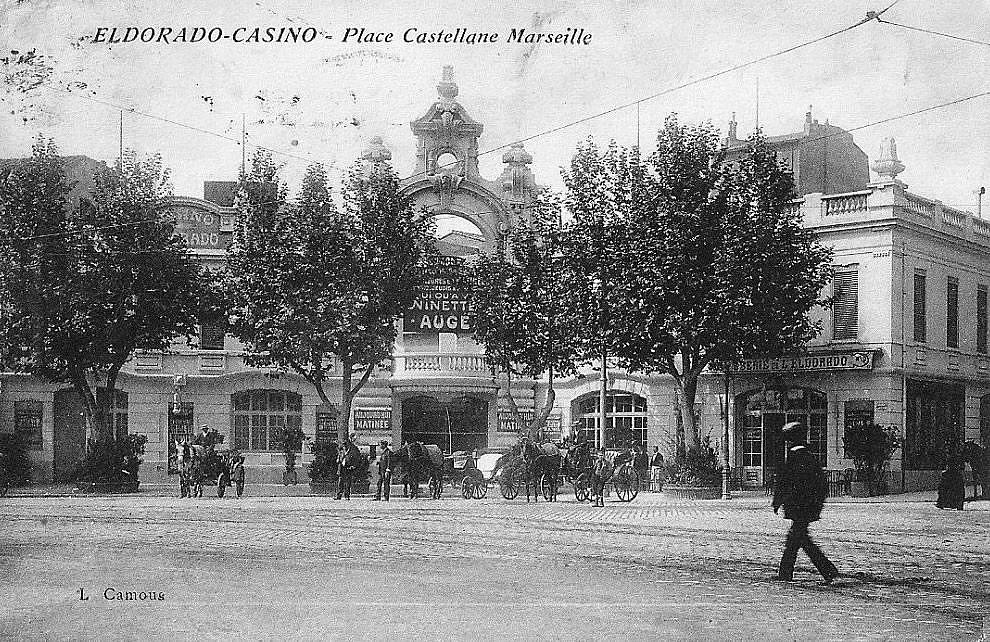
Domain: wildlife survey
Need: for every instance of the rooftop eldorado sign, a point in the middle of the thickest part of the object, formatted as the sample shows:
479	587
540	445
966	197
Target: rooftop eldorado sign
440	305
199	227
858	360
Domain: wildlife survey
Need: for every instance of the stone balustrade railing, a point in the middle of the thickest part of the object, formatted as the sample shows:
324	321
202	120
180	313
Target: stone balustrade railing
425	363
839	204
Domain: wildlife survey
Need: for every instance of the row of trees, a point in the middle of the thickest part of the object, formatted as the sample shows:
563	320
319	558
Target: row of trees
670	263
84	285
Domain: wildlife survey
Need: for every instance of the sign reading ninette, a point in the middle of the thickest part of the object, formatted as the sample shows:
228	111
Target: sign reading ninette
440	306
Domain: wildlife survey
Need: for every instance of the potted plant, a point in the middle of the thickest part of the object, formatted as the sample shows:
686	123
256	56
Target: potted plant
290	441
870	447
111	466
323	469
697	476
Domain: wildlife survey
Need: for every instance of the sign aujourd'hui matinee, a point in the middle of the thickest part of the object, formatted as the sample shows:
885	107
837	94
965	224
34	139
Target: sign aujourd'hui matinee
440	306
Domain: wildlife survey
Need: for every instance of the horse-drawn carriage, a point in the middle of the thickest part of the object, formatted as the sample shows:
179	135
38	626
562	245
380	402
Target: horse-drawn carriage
201	466
578	469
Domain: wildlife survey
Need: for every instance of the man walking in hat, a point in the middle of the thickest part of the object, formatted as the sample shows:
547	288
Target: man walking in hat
384	472
801	488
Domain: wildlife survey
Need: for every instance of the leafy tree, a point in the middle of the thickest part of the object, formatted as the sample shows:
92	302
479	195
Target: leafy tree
716	265
601	191
83	289
519	315
308	282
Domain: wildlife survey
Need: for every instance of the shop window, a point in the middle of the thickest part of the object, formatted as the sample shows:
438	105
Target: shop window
845	304
952	313
920	320
934	423
626	425
259	415
180	428
858	413
981	319
118	411
27	422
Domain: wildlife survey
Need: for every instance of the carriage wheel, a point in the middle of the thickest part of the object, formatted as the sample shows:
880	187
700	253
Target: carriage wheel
480	490
509	489
221	485
582	487
626	485
548	486
467	487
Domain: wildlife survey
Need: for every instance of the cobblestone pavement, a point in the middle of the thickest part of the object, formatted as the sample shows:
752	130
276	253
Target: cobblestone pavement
454	569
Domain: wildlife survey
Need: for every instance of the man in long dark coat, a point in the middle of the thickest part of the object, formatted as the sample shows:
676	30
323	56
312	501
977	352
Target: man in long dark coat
801	490
384	472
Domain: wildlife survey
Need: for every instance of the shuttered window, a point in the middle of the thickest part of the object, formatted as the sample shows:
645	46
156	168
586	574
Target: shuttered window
952	313
981	319
845	304
920	322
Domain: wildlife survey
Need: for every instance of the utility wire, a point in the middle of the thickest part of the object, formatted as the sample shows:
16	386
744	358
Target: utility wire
934	33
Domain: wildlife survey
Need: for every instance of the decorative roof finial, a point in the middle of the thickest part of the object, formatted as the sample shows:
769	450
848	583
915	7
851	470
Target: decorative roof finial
447	87
376	152
732	127
887	165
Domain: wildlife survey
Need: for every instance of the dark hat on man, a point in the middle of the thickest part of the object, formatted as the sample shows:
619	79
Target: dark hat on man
383	443
794	431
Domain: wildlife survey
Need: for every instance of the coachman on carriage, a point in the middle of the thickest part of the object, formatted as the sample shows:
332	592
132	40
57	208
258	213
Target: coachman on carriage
200	463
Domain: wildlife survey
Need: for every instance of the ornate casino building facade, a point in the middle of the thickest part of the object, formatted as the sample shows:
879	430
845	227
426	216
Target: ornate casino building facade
904	344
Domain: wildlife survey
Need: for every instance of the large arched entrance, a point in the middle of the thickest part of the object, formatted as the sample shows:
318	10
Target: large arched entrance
761	414
458	423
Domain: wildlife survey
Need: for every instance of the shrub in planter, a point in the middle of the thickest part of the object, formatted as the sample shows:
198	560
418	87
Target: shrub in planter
15	458
699	469
323	469
289	440
112	465
871	447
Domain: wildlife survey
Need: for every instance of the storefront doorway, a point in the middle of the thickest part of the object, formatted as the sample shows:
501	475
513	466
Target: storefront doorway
761	414
457	423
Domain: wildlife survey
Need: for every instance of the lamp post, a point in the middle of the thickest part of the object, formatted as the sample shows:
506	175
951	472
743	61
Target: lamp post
726	491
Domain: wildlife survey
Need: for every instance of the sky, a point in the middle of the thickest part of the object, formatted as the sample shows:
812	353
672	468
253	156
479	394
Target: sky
323	100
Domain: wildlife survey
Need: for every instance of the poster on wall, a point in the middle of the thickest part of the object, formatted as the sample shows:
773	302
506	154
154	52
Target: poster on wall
442	306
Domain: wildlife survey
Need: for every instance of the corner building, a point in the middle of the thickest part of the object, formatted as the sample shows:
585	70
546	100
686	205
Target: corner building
904	345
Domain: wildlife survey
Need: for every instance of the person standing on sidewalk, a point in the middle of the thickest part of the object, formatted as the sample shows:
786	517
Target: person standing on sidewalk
384	472
801	489
656	470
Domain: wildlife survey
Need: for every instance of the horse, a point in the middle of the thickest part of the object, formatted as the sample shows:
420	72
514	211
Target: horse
540	460
578	459
979	461
415	458
192	467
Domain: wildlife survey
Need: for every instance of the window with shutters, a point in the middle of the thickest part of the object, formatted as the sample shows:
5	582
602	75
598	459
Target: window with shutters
952	313
920	321
981	319
27	422
845	304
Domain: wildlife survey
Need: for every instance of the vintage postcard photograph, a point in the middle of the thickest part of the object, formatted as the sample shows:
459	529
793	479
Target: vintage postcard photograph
545	320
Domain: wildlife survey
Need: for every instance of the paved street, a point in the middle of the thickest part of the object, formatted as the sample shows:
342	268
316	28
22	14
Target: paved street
307	567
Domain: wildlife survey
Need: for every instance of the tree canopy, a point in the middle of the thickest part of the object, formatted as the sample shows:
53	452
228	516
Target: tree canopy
309	282
518	311
84	287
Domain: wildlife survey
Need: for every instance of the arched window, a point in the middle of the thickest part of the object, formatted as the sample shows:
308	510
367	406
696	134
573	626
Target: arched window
260	414
626	419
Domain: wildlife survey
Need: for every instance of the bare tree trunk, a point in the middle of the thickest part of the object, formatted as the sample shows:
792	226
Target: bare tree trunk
94	418
688	385
344	412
